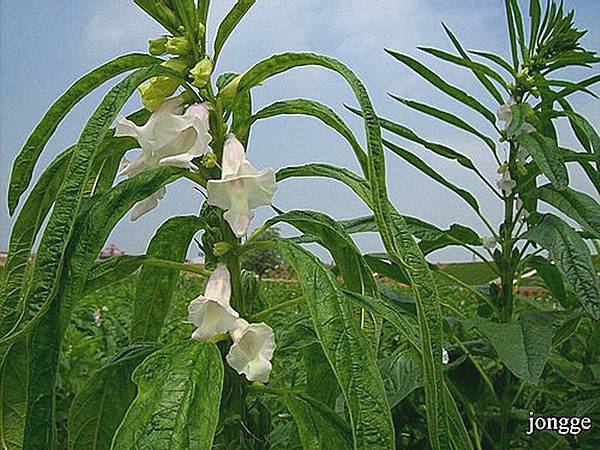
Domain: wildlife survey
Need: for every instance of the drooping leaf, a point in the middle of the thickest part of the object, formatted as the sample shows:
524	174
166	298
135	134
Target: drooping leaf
444	86
321	383
319	427
98	217
177	405
352	266
106	272
48	261
447	117
26	160
577	205
315	109
99	407
346	176
551	276
346	348
438	149
155	285
228	24
415	161
546	156
572	258
24	231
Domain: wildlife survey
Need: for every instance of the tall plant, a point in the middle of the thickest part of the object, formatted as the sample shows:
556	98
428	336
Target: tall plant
196	393
519	337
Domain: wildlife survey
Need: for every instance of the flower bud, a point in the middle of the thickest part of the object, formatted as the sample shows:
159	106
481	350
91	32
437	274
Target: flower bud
177	64
156	47
201	29
156	90
201	72
221	248
209	160
229	91
178	46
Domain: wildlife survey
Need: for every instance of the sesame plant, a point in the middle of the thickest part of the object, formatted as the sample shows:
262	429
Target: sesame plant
210	389
511	357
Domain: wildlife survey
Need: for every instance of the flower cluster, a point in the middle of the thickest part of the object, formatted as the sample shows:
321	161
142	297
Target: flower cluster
253	343
175	136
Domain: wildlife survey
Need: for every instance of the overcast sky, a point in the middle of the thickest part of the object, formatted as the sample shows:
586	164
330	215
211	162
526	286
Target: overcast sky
46	45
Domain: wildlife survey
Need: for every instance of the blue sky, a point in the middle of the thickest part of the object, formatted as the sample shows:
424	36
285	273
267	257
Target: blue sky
46	45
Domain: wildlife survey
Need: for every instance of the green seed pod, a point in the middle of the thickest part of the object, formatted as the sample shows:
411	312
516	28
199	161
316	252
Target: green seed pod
157	47
178	46
201	72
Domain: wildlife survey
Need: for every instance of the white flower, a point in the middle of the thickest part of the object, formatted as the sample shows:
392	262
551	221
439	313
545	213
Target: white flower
504	112
489	242
506	184
445	356
252	350
171	137
211	312
241	187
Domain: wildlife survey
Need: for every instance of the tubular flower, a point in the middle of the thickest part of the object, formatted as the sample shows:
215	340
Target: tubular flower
211	312
241	187
506	184
504	114
171	137
252	350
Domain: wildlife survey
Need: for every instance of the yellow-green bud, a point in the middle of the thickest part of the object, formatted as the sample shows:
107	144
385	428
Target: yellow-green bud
502	168
201	72
220	248
521	169
178	46
229	92
209	160
156	47
156	90
201	29
177	64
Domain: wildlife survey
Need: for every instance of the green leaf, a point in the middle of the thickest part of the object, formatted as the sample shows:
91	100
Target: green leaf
522	345
518	119
48	261
535	13
415	161
444	86
241	113
26	159
355	271
155	285
13	396
346	348
99	407
480	70
546	156
24	231
511	34
406	133
551	276
577	205
177	405
589	132
231	20
346	176
319	427
321	383
315	109
401	373
495	59
572	257
448	118
98	217
112	270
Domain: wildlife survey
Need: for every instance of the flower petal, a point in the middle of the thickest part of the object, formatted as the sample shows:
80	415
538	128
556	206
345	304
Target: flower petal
233	156
126	127
218	286
211	317
252	350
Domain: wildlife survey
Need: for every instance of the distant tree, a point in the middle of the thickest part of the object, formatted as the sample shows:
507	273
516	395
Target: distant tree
264	259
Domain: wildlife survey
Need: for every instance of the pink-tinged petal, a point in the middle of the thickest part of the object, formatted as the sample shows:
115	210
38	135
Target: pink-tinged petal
139	164
239	221
218	286
210	317
233	156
